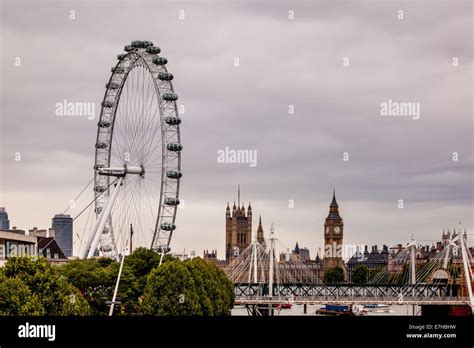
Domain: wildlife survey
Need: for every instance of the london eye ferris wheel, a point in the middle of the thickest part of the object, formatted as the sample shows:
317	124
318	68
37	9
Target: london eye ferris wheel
137	167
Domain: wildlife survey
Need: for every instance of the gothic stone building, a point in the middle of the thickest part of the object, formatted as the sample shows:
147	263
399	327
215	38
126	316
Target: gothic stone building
238	230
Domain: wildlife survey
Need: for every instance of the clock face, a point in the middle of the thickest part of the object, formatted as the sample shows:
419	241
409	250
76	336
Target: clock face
327	230
337	229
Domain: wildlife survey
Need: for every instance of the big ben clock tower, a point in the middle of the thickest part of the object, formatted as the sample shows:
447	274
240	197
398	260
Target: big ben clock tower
333	236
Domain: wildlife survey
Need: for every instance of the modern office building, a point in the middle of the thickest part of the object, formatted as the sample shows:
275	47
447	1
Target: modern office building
63	229
4	222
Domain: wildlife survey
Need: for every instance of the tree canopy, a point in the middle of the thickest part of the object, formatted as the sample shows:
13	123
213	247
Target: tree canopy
17	299
192	287
334	275
82	287
360	274
96	279
34	287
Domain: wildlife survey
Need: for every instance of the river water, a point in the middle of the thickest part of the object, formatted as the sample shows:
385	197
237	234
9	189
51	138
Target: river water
311	310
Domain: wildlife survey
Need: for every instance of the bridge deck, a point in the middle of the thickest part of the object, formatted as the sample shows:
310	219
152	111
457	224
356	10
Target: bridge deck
262	300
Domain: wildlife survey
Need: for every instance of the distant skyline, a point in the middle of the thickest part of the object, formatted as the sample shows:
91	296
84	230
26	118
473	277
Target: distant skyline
306	101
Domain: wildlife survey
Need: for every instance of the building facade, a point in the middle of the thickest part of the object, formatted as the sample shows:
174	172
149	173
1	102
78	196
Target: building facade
373	260
49	249
238	230
63	229
211	256
14	243
300	254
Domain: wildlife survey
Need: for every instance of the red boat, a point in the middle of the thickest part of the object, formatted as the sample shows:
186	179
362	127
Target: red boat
282	305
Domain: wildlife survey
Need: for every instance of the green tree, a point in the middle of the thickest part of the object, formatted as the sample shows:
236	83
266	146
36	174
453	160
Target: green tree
171	290
203	282
334	275
17	299
96	279
142	262
226	292
360	274
56	295
217	295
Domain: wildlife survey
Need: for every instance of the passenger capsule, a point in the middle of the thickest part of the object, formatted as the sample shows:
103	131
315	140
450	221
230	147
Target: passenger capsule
174	174
171	201
153	49
112	85
160	60
169	96
165	76
117	70
107	104
137	43
167	227
121	56
101	145
129	48
141	43
104	124
174	147
162	249
173	120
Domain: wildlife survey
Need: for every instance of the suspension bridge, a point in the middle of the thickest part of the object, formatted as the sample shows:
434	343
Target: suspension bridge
261	279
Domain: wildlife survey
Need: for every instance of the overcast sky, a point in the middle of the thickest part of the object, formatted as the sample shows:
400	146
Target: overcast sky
283	62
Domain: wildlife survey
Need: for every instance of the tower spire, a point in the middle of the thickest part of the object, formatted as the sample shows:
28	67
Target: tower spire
334	208
334	202
238	196
260	237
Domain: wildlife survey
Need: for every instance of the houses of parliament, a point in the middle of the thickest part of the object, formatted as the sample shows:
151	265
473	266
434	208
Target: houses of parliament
238	235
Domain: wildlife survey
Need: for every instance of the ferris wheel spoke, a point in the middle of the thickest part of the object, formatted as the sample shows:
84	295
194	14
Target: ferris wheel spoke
137	209
146	126
151	119
132	131
126	209
155	147
131	119
150	143
123	210
153	138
